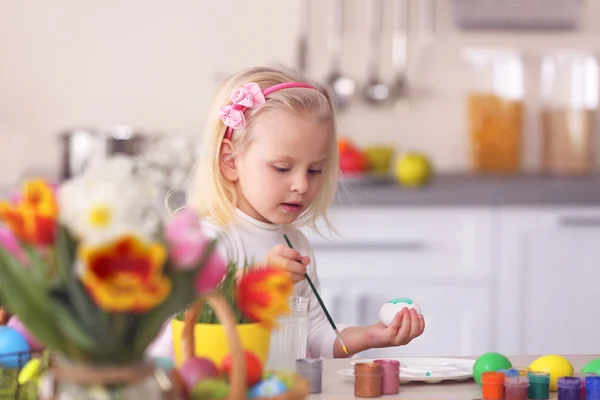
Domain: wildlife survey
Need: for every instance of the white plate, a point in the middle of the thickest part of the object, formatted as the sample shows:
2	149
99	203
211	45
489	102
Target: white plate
429	370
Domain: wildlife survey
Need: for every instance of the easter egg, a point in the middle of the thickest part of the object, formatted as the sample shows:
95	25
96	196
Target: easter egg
593	366
268	388
14	349
197	369
164	363
210	389
489	362
557	366
254	368
31	370
388	311
18	326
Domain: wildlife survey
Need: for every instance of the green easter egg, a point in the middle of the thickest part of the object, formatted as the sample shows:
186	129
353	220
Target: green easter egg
592	366
489	362
210	389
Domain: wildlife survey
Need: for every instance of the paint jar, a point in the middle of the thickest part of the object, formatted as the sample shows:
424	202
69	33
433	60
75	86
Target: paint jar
539	385
390	382
516	387
523	371
312	371
509	372
492	385
367	380
569	388
592	387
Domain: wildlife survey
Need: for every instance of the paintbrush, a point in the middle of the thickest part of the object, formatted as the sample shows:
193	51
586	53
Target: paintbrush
314	289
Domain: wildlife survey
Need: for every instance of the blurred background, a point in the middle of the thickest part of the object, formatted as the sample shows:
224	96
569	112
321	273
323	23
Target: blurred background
468	140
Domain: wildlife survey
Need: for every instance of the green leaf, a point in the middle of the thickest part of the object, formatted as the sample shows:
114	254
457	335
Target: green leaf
182	295
28	301
71	328
85	308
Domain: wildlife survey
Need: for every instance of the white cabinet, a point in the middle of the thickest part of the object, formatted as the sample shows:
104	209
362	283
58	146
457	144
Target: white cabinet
440	257
549	273
436	243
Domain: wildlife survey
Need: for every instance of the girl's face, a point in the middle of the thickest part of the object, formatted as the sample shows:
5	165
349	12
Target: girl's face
280	173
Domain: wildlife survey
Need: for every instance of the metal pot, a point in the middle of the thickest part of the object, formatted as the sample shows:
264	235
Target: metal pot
81	148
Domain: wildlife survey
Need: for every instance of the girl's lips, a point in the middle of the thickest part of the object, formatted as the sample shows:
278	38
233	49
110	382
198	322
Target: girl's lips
293	208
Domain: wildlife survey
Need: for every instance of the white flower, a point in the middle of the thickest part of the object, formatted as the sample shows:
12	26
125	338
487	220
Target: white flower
104	202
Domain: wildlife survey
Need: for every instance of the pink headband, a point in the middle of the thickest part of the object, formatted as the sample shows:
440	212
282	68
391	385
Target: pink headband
249	96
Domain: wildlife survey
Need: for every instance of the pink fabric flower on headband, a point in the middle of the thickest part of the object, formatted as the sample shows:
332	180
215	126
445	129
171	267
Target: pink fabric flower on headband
248	96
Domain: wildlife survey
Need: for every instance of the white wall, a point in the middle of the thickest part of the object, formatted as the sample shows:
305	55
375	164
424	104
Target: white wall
153	64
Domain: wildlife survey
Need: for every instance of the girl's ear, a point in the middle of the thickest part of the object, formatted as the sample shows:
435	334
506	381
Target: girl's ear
227	161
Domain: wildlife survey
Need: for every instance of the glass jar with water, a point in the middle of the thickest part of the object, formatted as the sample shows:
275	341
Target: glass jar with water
289	340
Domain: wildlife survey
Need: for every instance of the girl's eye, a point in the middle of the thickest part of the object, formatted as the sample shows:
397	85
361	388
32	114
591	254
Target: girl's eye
280	169
315	171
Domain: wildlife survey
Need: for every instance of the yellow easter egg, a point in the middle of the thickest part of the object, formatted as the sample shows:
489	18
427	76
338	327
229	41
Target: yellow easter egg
31	370
557	366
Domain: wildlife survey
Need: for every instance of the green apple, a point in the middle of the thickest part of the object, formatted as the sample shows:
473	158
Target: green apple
413	169
379	157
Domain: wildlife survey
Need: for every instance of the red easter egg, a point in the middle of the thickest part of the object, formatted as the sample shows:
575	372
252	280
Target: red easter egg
254	368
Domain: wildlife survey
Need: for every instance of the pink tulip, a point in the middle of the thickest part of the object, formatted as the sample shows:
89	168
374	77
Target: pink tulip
187	241
18	326
10	243
188	244
211	275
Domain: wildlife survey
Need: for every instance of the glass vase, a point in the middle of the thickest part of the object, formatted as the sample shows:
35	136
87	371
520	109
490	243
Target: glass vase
71	381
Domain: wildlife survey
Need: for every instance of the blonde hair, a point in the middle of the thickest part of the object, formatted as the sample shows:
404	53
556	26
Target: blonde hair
210	193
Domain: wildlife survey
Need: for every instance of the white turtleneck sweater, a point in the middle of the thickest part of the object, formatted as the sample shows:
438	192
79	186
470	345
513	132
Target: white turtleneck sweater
251	240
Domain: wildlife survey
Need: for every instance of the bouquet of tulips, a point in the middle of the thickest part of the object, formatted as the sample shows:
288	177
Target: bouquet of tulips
93	274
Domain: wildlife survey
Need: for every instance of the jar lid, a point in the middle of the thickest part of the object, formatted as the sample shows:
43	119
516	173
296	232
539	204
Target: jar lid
492	377
569	382
539	377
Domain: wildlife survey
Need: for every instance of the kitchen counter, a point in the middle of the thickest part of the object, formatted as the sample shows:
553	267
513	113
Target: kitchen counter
473	190
339	388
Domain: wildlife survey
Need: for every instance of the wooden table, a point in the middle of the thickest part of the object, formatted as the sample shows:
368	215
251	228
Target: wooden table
336	387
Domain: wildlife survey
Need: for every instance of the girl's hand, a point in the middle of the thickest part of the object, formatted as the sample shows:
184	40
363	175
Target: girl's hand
406	326
288	259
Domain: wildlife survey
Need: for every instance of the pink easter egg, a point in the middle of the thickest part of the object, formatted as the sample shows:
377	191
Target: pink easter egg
16	324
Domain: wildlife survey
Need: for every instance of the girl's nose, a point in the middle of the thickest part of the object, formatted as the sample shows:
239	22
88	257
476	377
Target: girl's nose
300	184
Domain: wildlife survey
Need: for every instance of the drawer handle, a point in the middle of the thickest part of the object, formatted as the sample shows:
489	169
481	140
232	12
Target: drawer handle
361	246
580	221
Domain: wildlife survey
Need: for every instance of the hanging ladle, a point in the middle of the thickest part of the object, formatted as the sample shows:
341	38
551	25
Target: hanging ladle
342	86
375	91
400	89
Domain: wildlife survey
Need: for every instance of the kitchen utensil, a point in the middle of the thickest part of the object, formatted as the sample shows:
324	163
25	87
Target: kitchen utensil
303	29
400	52
342	86
81	148
375	91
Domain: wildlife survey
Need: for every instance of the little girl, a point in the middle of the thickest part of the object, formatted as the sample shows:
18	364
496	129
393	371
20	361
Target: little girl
270	162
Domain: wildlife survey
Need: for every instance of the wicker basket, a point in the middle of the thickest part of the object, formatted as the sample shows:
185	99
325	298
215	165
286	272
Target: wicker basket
237	379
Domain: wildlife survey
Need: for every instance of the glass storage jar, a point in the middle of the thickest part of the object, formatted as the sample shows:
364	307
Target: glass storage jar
495	110
569	108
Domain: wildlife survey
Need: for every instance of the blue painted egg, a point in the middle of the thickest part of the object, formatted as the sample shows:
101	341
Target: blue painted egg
14	349
268	388
164	363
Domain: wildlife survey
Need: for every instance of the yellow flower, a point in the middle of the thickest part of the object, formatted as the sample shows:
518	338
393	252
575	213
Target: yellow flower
32	217
125	275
